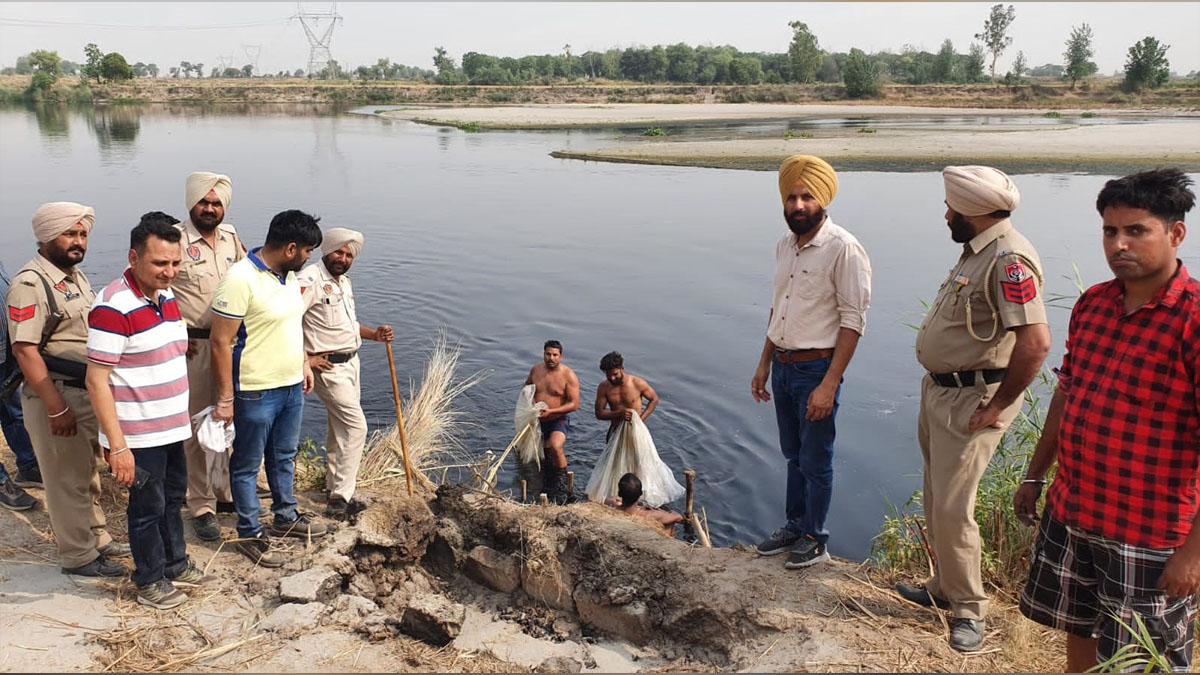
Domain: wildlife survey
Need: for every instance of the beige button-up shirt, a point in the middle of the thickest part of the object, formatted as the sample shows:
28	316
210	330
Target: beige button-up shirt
28	310
330	320
820	288
202	269
944	343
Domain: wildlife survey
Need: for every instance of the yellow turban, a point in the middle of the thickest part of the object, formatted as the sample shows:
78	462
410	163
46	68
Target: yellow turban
201	182
820	178
51	220
979	190
339	237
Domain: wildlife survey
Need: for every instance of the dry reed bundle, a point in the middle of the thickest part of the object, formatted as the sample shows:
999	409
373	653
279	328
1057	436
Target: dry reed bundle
429	421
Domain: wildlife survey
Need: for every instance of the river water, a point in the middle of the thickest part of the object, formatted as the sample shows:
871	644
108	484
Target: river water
486	237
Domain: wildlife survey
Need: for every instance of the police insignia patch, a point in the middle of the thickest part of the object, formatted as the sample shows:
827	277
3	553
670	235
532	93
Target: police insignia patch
19	314
1019	286
1016	272
193	252
61	287
328	288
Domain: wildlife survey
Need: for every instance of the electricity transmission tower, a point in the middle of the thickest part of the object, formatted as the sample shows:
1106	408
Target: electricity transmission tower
252	54
318	40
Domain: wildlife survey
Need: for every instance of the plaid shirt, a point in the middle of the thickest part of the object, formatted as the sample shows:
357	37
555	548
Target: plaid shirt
1129	440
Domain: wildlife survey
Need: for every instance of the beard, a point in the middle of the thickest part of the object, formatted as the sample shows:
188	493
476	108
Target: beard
961	231
294	264
801	223
335	268
65	258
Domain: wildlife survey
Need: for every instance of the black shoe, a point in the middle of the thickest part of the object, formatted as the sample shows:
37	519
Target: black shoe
337	508
206	527
966	635
225	507
115	550
263	493
258	550
14	498
302	527
807	553
29	478
921	596
781	541
100	567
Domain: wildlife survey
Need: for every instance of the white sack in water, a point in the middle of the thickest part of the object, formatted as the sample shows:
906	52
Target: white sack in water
631	450
529	449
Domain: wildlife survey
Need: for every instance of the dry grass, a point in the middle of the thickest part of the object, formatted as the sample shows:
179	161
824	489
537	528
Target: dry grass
430	423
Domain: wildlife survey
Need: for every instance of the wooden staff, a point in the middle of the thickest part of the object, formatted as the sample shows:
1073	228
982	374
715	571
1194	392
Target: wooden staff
408	477
570	482
689	477
524	494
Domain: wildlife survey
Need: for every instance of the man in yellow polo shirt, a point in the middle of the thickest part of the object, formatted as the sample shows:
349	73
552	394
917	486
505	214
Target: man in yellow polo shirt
261	377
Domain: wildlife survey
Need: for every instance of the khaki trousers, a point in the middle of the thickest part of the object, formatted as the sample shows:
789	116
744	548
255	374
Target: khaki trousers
346	426
70	474
203	490
954	464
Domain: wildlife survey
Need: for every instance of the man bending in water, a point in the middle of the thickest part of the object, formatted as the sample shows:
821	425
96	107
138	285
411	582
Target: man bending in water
620	396
629	491
557	386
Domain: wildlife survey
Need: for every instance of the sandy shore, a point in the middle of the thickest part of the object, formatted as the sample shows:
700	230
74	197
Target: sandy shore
1173	137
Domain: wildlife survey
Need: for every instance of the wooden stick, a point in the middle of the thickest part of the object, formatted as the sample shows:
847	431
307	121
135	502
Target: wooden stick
689	477
489	481
570	482
699	530
704	519
524	493
400	419
544	499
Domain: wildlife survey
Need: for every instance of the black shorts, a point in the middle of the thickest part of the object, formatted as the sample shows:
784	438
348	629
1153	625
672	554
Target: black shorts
1079	581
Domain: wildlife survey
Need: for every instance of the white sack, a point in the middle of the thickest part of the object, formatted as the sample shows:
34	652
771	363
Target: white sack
215	438
631	450
529	449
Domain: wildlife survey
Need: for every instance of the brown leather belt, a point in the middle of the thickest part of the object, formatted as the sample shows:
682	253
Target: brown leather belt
802	355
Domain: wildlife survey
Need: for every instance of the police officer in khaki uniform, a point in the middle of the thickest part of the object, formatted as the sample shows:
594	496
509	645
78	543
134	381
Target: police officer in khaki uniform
210	247
982	343
332	336
47	310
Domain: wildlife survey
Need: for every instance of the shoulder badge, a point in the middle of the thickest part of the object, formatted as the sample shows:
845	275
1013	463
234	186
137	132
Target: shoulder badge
1018	284
19	314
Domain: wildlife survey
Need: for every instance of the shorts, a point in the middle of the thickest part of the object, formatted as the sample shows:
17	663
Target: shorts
562	424
1079	581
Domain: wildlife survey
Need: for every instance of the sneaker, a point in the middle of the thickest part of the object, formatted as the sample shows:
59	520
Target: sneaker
302	527
258	550
161	594
100	567
192	577
966	635
781	541
806	554
206	527
29	477
921	596
114	549
14	498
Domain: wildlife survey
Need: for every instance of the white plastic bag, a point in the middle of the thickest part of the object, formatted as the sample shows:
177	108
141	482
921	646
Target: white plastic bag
215	438
529	448
631	450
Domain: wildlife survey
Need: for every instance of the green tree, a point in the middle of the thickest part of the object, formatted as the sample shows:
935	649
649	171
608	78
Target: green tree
859	75
1019	66
745	70
185	67
47	62
199	69
829	70
174	71
658	64
943	63
973	65
23	66
447	71
139	69
91	69
247	70
70	67
114	68
1147	65
1079	54
804	52
681	63
152	68
995	32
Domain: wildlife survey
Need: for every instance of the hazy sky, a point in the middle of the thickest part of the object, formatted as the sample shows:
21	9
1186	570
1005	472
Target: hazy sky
406	32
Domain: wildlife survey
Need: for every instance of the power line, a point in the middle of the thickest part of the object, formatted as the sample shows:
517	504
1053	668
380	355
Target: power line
40	23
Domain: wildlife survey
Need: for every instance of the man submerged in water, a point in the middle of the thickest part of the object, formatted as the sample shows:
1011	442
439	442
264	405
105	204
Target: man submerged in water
557	386
619	397
629	491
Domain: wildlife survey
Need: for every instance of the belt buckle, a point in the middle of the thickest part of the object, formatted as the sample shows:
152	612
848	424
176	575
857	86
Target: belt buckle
957	380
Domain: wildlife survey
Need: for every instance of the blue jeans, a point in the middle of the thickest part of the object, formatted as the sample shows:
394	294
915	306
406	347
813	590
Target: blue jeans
267	423
12	422
155	524
807	446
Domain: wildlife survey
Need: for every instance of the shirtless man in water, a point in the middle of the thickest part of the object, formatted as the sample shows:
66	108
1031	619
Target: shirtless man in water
620	395
557	386
629	491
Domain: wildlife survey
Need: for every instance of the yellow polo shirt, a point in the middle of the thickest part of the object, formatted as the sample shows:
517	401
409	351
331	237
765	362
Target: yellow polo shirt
269	350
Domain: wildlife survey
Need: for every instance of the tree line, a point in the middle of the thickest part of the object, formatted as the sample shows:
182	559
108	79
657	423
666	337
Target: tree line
804	62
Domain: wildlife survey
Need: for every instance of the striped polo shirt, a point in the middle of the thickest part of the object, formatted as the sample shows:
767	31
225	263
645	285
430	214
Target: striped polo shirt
269	350
146	345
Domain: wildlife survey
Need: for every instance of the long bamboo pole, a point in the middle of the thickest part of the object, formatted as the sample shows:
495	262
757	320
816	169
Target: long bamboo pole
408	476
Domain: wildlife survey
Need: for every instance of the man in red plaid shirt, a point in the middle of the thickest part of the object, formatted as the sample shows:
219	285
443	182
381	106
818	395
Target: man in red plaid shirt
1118	538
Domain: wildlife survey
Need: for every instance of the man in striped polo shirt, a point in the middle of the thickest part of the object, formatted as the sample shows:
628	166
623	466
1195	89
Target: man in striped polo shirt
137	379
261	374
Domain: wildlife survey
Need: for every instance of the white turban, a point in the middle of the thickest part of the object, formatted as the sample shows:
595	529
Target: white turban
54	218
339	237
979	190
201	182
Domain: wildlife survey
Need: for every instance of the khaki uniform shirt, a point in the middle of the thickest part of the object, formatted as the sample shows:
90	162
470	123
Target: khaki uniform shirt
330	320
28	309
202	268
944	343
819	288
